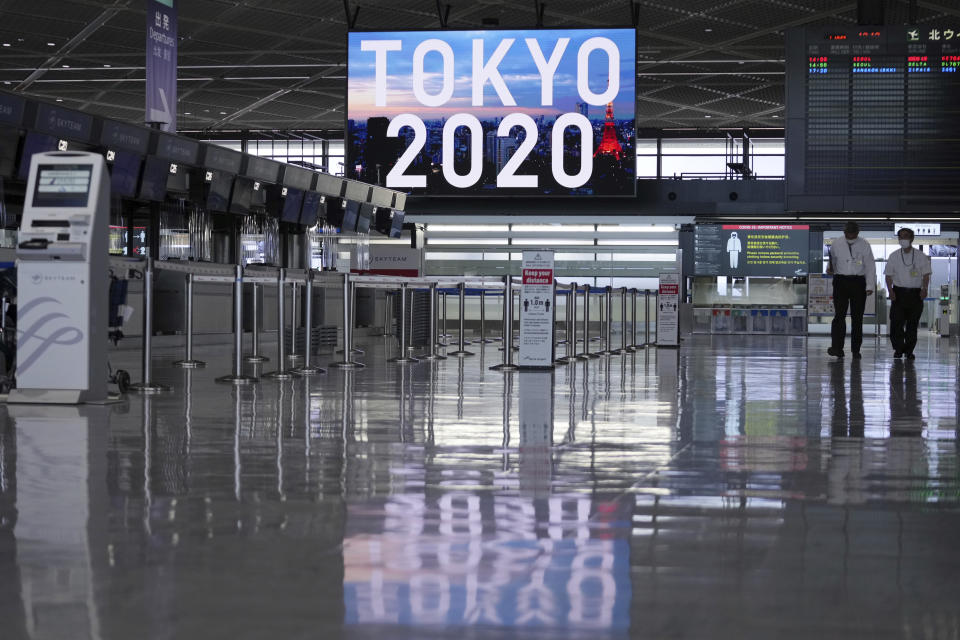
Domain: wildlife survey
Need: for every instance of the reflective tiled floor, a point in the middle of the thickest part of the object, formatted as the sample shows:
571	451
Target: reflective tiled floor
739	487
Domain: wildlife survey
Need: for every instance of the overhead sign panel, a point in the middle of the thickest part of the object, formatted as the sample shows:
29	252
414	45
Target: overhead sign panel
118	135
11	109
919	228
177	149
297	177
513	112
330	185
64	123
262	169
222	159
162	64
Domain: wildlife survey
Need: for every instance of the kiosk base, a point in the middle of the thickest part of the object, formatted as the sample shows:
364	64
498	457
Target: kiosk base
51	396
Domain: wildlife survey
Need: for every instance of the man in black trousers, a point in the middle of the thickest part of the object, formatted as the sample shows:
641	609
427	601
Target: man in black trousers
854	278
908	278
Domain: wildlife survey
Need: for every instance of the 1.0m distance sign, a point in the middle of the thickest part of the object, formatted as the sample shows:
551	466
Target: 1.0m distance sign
517	112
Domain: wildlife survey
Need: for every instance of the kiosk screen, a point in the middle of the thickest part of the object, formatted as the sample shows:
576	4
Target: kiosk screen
62	185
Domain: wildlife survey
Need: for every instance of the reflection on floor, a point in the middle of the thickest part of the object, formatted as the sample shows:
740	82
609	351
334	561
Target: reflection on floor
737	487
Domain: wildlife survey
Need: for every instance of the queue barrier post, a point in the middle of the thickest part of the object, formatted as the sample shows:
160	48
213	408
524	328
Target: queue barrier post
189	362
237	377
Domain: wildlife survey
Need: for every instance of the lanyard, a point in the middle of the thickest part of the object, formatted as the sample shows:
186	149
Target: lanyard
912	262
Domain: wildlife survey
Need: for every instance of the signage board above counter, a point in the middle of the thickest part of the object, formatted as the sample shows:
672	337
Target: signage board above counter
178	149
217	158
262	169
144	155
120	135
64	123
11	109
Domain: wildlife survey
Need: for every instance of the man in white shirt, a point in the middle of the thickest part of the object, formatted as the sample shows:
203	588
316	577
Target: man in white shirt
854	278
908	278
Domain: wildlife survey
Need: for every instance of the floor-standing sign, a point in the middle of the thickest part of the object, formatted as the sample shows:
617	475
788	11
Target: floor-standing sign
536	310
668	306
162	64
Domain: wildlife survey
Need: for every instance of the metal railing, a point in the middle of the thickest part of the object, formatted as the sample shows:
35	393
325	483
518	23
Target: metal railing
575	320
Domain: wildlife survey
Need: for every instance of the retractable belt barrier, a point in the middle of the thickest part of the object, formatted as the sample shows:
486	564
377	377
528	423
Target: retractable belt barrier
259	276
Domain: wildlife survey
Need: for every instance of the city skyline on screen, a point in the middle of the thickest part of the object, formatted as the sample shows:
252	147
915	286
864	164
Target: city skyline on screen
511	112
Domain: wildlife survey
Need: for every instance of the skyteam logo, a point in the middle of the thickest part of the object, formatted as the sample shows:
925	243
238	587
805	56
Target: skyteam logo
44	327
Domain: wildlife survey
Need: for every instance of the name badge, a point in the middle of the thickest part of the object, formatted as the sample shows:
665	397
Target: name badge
914	273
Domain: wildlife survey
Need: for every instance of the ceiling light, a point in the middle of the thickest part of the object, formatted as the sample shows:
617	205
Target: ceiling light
186	113
66	66
776	116
107	66
707	116
708	29
59	99
51	44
223	113
7	82
6	44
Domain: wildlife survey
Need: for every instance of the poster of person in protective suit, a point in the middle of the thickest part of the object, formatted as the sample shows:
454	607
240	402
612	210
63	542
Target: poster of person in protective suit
734	247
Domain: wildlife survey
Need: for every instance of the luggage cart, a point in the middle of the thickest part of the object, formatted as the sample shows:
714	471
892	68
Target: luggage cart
117	315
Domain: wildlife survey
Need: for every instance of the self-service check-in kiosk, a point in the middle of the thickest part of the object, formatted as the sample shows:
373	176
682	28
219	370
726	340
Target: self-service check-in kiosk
62	296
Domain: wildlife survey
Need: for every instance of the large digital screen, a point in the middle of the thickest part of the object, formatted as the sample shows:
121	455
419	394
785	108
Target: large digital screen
872	117
764	250
512	112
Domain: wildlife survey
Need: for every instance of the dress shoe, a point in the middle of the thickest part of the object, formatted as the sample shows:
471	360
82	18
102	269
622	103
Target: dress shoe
898	354
836	353
910	356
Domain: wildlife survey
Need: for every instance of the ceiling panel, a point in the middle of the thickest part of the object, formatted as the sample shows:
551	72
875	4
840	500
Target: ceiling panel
234	53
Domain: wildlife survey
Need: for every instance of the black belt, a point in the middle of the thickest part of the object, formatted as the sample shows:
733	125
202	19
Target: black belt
916	289
841	276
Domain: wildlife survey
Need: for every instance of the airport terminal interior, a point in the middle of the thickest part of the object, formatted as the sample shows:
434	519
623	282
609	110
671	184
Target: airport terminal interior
496	319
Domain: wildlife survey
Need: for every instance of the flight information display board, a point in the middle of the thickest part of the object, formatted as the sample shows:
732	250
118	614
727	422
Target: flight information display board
873	118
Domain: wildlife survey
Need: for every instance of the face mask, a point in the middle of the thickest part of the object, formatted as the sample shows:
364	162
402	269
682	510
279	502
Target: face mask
904	243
